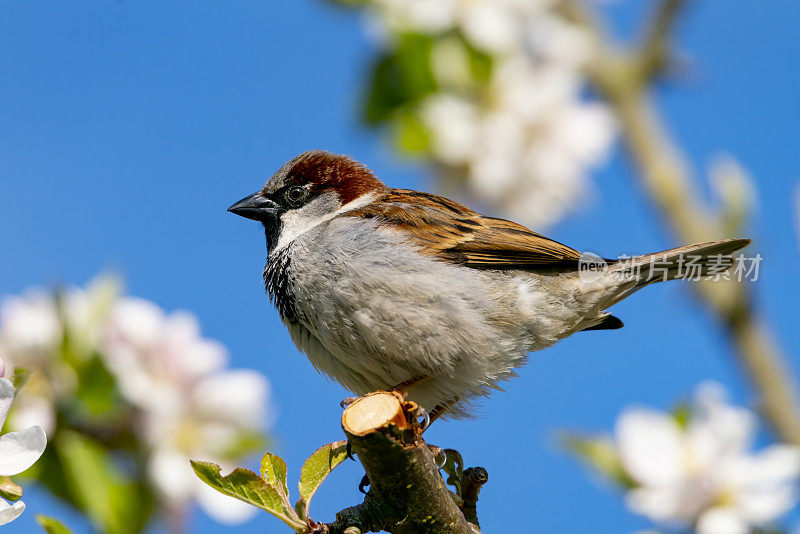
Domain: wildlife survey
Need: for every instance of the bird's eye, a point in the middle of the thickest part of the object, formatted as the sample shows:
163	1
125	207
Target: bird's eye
295	194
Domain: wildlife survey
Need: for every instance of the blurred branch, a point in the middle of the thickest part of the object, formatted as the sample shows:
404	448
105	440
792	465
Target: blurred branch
623	77
407	494
655	48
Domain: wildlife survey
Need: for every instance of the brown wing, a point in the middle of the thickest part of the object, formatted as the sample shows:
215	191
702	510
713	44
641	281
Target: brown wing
457	234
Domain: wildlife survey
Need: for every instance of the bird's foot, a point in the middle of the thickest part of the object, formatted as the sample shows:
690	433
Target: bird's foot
349	452
423	418
347	401
429	417
364	484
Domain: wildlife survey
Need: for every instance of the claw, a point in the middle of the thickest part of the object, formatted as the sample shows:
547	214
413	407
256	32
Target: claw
347	401
363	484
349	451
426	418
441	458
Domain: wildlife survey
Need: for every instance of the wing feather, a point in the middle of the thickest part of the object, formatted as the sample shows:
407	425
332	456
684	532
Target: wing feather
455	233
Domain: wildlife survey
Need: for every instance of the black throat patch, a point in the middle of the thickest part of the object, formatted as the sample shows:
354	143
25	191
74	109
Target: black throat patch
278	282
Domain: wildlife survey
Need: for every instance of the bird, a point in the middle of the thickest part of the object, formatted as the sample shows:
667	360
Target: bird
401	290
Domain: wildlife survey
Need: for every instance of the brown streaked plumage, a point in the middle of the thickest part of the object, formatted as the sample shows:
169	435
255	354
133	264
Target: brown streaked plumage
455	233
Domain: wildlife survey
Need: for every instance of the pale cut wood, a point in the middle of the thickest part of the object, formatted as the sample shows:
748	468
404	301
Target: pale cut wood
374	411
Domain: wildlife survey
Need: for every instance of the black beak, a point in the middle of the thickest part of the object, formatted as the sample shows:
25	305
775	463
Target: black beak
256	207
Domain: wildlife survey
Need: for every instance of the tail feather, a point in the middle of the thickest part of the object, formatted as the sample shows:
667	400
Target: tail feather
690	261
608	322
626	276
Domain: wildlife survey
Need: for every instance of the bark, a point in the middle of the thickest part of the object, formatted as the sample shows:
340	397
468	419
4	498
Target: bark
407	494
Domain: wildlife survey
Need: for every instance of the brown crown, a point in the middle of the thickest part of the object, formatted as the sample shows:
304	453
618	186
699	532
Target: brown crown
327	171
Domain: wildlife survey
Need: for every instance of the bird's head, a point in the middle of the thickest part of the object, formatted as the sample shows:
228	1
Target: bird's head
306	191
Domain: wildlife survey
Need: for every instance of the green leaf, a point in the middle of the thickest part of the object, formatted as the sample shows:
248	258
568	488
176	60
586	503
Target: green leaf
8	490
480	64
273	471
78	343
454	467
50	473
400	78
52	526
19	378
97	397
410	134
110	499
600	454
314	471
247	486
682	414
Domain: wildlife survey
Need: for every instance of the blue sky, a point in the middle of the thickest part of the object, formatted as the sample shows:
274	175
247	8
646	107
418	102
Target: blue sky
128	127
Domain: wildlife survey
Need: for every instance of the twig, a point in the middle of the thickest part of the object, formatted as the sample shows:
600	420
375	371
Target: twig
474	479
654	50
623	78
407	494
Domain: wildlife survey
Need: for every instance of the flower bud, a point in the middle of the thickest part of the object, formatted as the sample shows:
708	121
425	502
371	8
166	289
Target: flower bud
2	368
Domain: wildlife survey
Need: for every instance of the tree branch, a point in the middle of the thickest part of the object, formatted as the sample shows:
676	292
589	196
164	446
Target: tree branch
407	494
623	78
654	50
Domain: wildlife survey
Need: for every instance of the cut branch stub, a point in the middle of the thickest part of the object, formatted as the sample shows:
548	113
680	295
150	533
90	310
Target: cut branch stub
407	494
376	410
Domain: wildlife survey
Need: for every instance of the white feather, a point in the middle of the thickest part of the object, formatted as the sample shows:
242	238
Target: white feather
297	222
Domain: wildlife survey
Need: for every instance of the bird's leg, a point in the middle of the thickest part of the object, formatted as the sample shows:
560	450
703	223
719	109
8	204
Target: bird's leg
406	385
437	412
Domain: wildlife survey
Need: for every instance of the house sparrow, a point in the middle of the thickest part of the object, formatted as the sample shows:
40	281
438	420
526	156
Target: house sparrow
395	289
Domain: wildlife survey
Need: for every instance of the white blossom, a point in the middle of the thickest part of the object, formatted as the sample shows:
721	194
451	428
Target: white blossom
705	474
493	25
18	450
185	403
192	407
525	143
30	332
32	328
157	357
29	329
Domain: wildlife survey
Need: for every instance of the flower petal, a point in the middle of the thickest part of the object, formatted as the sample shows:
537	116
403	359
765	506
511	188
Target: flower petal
9	512
766	482
650	446
761	505
721	520
659	504
718	430
31	410
238	397
775	464
6	398
19	450
172	474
